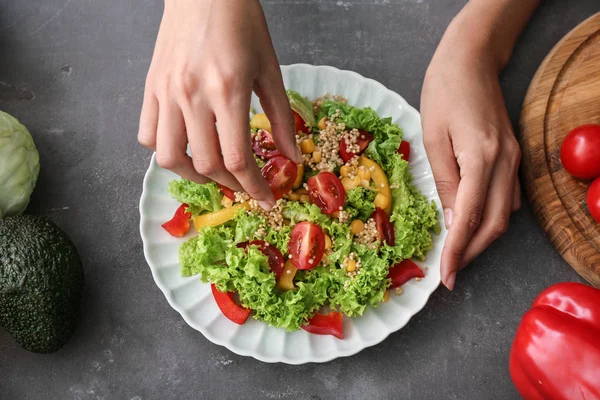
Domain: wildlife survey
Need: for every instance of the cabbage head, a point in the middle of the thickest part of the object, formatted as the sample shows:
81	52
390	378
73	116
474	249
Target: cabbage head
19	166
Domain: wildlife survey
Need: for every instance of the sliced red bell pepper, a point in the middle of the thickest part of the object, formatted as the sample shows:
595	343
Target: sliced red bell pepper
404	149
556	351
229	307
326	324
179	225
226	191
404	271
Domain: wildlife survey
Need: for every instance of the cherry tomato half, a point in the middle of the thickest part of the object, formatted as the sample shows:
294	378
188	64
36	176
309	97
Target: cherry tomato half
593	199
275	257
404	271
580	152
385	228
226	191
326	324
264	145
300	124
404	149
280	174
326	191
307	245
363	140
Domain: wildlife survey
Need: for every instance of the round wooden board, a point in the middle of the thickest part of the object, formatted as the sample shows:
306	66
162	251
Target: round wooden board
564	94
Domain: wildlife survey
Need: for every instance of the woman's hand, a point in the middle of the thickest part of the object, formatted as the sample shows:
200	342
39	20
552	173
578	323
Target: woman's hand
209	56
471	146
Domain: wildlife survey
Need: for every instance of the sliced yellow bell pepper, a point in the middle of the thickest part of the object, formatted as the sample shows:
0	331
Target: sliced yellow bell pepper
286	280
260	121
218	217
226	202
380	180
299	176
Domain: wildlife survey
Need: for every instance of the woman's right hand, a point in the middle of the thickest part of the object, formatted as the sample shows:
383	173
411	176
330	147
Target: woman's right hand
209	56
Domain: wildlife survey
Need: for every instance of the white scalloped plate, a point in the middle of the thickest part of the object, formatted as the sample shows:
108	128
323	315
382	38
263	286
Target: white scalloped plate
193	299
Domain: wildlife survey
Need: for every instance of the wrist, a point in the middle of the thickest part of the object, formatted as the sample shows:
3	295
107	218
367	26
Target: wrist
491	28
475	39
463	48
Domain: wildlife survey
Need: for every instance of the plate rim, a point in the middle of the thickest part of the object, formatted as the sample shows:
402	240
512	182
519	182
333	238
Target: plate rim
282	358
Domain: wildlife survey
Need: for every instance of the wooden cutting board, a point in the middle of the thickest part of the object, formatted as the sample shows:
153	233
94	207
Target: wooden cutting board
564	94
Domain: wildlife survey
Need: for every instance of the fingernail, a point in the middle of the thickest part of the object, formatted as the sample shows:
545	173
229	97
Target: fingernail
266	205
448	215
450	280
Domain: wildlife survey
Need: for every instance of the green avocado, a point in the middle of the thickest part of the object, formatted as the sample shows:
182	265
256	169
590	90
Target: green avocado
41	283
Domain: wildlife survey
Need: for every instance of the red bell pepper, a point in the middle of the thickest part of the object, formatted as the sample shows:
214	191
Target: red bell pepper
404	149
226	192
229	307
404	271
556	351
179	225
326	324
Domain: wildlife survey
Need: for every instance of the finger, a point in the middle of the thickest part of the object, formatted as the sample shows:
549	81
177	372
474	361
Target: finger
204	144
468	207
516	203
148	121
274	101
497	210
234	137
171	144
445	170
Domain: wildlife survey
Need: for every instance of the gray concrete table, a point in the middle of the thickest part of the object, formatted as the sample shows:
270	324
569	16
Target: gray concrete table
73	71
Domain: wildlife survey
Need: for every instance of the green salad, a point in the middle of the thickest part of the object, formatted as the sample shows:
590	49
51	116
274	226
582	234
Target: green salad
343	230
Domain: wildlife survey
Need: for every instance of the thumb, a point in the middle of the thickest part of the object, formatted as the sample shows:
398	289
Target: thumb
447	177
271	92
445	170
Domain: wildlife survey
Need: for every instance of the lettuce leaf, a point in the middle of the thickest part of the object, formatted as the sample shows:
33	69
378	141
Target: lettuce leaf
246	226
387	135
279	238
367	288
361	200
199	198
413	216
341	239
204	254
302	106
298	212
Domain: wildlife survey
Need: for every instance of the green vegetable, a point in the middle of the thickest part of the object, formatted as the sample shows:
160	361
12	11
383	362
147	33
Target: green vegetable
413	216
200	198
302	106
279	238
19	166
246	226
361	200
366	288
41	283
297	212
387	136
342	241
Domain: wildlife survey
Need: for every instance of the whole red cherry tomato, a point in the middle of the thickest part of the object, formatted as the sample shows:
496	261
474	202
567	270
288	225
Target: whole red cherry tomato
593	199
580	152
